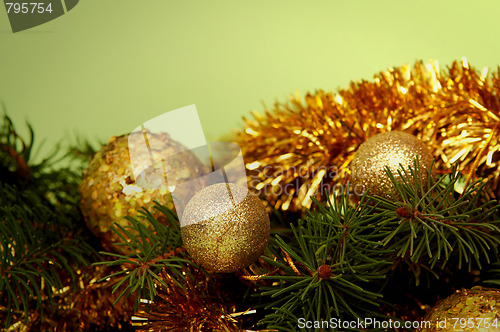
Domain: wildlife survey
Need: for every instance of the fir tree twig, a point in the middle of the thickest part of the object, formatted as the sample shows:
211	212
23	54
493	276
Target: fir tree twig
154	247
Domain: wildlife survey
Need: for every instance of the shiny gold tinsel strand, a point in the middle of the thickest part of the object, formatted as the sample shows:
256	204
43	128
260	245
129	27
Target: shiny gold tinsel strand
198	304
300	149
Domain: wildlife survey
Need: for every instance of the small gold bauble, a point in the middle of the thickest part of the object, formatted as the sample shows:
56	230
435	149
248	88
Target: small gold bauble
109	191
225	228
391	149
476	309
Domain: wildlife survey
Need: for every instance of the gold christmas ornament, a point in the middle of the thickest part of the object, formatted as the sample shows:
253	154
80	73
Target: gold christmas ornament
225	228
300	148
475	309
394	149
109	191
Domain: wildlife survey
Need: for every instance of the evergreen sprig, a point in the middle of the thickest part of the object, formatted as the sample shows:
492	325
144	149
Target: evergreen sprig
328	269
333	265
15	151
427	223
42	239
154	247
34	253
56	188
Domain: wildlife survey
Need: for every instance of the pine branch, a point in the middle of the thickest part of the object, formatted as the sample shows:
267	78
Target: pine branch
42	241
82	150
56	188
155	247
33	252
333	265
427	223
328	269
15	152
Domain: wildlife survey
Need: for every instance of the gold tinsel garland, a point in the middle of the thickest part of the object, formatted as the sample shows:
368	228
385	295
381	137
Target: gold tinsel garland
302	148
199	303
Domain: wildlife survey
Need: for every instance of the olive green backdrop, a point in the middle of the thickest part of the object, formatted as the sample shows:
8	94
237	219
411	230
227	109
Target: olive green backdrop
107	66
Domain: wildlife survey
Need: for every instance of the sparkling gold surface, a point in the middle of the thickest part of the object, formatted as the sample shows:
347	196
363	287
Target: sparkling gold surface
225	233
391	149
456	112
466	310
109	191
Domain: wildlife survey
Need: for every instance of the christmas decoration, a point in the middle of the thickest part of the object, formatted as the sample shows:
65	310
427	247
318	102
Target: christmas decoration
86	308
109	191
390	149
44	245
225	228
475	309
189	307
306	146
375	257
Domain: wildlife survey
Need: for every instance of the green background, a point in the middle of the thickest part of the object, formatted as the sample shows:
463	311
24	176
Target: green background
107	66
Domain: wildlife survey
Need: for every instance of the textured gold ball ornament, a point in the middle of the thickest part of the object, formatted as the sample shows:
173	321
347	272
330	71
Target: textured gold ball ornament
225	228
476	309
391	149
109	191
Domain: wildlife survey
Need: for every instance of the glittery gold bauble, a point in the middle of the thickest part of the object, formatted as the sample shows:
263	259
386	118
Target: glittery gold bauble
109	191
475	309
394	149
225	228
